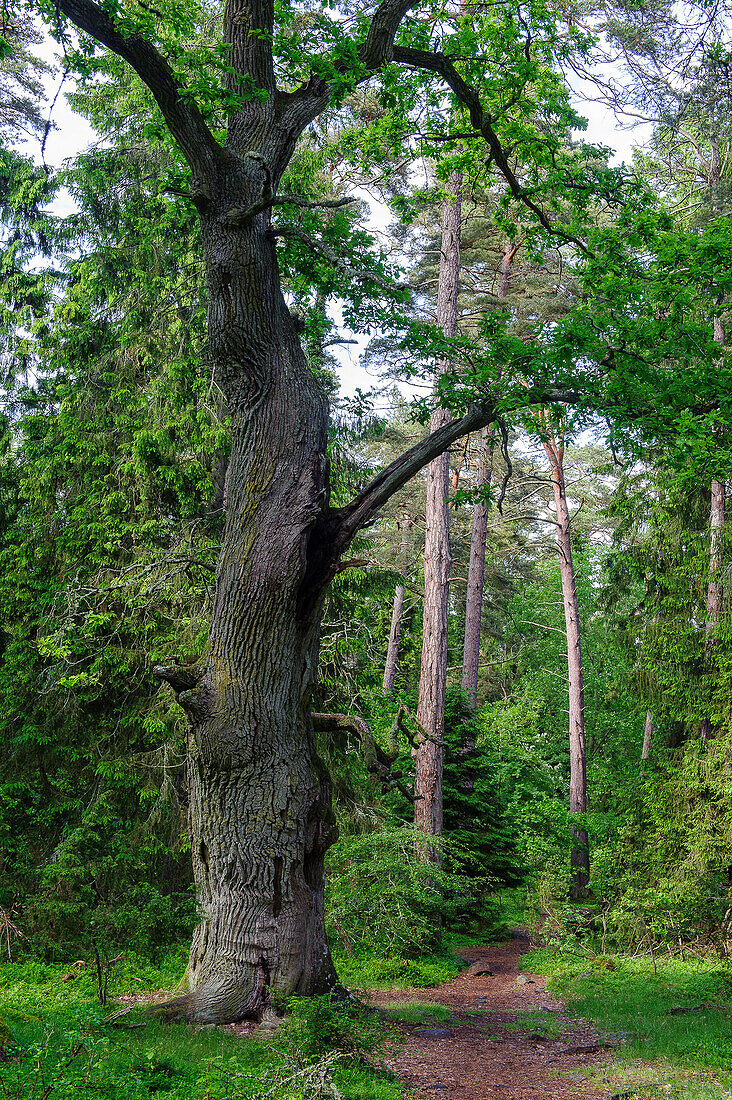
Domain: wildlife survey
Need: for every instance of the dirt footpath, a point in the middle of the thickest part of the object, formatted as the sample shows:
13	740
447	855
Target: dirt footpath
484	1054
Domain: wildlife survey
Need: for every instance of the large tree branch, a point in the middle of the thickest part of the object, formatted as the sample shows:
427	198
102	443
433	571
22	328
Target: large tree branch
379	45
379	762
307	102
364	506
181	114
239	218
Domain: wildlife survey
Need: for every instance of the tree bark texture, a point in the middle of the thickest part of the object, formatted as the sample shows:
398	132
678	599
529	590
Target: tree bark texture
579	857
433	668
395	631
476	566
260	817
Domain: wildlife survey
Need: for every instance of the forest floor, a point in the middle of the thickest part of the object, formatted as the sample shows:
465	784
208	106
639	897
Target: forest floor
498	1034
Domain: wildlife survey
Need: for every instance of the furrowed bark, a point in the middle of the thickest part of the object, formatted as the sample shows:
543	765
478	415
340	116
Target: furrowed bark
433	669
579	856
260	813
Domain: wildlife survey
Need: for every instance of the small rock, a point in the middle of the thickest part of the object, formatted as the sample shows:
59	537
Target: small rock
434	1032
619	1038
478	968
586	974
585	1048
524	979
480	1002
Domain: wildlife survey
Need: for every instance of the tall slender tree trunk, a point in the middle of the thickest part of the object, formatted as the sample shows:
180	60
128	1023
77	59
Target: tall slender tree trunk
476	572
647	736
714	585
476	566
579	856
395	632
717	505
433	669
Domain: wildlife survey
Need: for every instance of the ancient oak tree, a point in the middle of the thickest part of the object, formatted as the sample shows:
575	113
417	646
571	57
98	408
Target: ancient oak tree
260	800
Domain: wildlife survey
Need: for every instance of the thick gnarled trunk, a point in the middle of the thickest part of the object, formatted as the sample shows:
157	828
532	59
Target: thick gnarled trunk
260	817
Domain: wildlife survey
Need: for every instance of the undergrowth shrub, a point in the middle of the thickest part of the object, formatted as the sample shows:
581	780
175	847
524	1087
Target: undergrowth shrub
385	897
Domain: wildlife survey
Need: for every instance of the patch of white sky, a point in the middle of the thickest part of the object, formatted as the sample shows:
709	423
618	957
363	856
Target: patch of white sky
70	134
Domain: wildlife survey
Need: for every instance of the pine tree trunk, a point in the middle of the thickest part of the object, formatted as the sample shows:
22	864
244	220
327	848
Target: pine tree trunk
433	669
579	857
395	631
476	566
647	736
476	571
714	586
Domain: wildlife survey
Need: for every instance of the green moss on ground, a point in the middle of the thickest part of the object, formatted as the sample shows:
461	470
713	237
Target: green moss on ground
60	1044
672	1021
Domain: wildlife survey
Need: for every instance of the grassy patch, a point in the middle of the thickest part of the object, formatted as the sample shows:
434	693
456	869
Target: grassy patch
368	970
419	1012
678	1020
546	1023
60	1047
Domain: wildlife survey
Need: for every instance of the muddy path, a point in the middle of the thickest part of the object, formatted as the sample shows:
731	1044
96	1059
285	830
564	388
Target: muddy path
490	1048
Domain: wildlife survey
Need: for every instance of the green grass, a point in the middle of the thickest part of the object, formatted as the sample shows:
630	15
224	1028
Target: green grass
373	971
62	1048
544	1022
685	1054
419	1012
